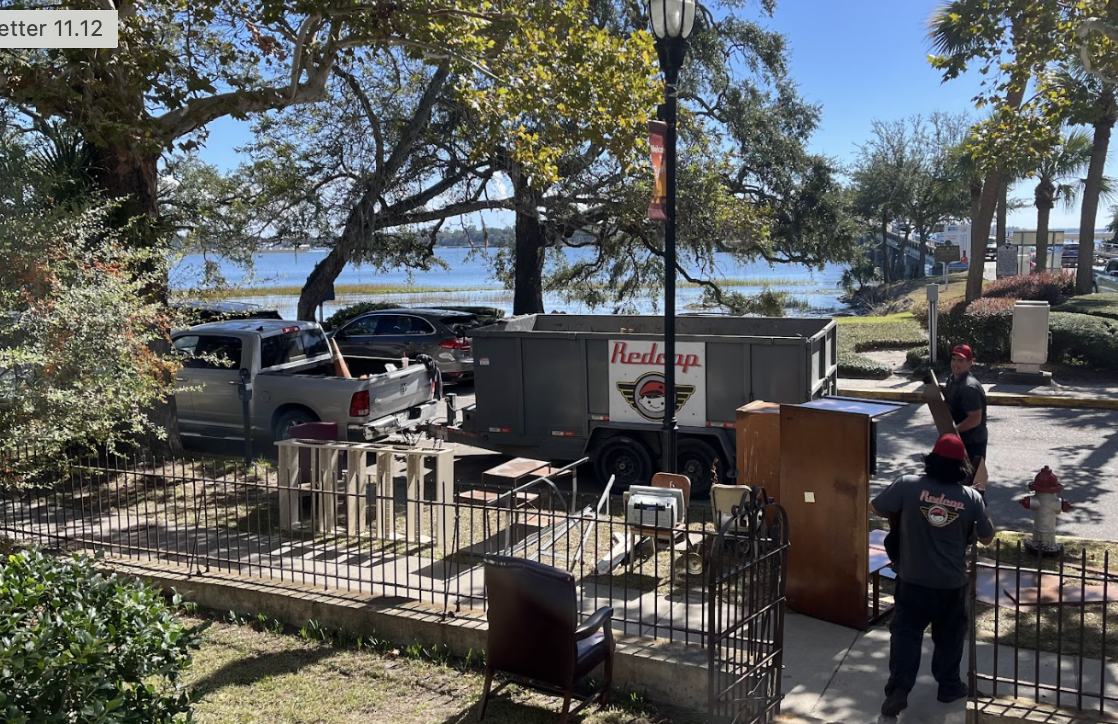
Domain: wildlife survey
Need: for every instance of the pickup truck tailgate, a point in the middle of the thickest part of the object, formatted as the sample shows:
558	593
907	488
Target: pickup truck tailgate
400	389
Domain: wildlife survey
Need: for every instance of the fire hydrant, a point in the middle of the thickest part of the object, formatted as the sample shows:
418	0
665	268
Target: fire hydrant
1046	504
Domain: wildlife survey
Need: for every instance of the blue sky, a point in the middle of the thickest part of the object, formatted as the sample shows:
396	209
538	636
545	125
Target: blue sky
860	60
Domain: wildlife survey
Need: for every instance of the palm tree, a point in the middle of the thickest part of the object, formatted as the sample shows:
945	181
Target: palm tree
1093	103
1058	180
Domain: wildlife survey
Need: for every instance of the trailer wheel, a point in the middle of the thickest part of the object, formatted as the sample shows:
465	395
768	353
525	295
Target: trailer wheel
695	459
626	459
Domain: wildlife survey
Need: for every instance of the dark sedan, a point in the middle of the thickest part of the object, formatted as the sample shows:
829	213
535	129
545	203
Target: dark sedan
392	334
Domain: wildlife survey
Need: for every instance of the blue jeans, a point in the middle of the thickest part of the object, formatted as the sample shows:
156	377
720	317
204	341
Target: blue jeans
916	607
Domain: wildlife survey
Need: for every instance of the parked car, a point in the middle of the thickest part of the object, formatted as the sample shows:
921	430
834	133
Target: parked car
200	312
291	372
392	334
1106	277
1070	256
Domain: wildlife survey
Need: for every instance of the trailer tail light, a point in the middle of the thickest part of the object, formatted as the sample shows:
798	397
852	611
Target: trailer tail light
600	418
459	343
359	404
563	433
500	429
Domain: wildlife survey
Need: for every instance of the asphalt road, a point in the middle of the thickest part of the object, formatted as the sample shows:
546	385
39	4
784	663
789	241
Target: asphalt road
1081	447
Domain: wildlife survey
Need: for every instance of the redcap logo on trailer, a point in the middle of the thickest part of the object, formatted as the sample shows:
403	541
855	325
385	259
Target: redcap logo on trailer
621	355
647	397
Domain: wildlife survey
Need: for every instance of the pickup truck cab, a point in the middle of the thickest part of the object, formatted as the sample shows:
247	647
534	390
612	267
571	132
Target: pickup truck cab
1106	277
290	374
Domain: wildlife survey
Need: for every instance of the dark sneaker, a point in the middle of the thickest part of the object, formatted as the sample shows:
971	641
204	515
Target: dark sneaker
952	692
895	703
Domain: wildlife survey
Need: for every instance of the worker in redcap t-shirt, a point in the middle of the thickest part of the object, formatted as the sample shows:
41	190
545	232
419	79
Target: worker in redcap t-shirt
937	517
966	399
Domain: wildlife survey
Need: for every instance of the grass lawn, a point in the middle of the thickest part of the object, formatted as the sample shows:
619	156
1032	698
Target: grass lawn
244	675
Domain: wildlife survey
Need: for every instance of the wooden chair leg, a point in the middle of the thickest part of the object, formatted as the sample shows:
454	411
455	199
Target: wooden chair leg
566	705
604	701
485	692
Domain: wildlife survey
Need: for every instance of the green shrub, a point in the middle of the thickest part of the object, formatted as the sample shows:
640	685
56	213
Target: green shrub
77	645
855	365
1084	339
985	324
867	336
887	335
1051	287
1097	305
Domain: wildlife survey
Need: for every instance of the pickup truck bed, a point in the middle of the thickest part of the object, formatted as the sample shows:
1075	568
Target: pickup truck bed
291	380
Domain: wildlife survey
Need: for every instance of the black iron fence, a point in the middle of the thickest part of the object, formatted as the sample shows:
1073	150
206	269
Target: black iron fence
1044	626
379	537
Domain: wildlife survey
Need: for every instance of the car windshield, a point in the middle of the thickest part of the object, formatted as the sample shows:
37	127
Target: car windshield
283	348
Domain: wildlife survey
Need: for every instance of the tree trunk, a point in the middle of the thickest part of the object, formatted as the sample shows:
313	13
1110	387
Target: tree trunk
886	270
987	203
131	177
321	279
1003	209
980	230
527	296
1044	205
922	272
1084	278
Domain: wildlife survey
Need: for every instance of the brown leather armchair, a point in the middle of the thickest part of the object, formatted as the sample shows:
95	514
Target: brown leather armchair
534	636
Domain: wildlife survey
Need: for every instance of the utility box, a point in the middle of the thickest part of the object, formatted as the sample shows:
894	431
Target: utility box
1030	336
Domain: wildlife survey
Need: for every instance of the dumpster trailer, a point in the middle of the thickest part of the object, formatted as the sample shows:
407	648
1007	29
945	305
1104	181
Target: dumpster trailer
561	387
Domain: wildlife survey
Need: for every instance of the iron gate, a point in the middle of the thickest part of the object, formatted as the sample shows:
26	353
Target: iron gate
745	648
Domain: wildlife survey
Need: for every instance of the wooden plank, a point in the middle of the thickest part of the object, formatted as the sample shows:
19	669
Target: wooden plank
824	479
941	413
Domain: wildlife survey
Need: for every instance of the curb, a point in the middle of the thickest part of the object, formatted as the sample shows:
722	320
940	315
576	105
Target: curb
1005	399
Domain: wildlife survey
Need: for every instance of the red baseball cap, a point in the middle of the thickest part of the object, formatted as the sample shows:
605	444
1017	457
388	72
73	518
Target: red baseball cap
963	351
950	446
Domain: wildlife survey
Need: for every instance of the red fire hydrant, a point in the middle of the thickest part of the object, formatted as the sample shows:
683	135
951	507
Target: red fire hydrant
1046	504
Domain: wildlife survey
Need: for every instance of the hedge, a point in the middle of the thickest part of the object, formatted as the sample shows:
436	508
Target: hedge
857	366
77	645
1051	287
1084	339
985	324
863	337
1096	305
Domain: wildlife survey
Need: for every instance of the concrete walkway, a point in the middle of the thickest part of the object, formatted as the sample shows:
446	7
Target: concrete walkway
837	675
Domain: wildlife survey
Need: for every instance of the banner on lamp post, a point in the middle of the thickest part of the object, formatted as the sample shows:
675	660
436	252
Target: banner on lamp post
657	209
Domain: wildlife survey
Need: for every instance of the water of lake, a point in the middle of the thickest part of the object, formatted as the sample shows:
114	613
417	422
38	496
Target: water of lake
472	272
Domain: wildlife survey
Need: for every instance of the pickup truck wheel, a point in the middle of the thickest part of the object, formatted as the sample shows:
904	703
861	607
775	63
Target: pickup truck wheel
626	459
288	420
695	459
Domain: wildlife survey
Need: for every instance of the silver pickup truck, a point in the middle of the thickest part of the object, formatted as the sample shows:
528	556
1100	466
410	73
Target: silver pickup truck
291	372
1106	278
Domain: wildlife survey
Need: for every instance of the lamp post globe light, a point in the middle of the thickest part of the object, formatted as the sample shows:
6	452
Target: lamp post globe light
672	22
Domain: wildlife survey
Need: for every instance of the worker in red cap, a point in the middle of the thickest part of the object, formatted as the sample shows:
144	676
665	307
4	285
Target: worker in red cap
966	399
936	516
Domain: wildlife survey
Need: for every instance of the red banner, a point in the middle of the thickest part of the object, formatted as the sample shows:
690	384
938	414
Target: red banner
657	210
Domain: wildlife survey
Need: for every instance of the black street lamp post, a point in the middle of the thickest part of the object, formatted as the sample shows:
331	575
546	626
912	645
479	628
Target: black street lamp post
672	21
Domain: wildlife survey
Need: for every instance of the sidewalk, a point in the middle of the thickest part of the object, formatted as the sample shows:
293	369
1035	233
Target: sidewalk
835	675
906	389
